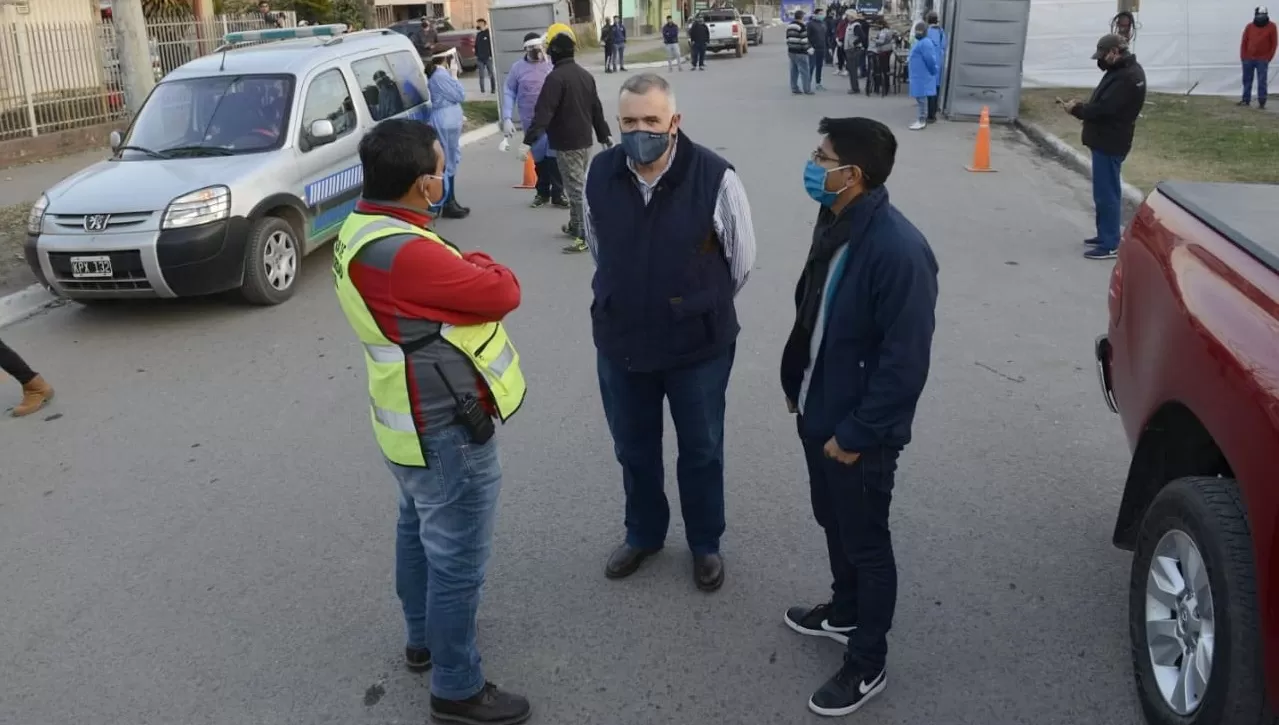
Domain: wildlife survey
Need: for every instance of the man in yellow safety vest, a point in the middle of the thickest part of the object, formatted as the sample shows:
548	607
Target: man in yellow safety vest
440	367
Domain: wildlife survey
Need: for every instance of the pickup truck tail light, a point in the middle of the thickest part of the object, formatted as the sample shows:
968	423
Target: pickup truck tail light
737	29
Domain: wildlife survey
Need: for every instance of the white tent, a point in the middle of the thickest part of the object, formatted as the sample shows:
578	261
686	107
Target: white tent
1184	46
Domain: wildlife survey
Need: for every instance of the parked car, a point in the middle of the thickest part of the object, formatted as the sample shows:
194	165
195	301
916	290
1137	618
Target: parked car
754	31
237	165
1191	364
463	41
726	29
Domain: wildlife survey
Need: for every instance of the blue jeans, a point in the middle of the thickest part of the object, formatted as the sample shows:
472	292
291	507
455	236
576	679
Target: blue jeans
633	407
619	57
1107	196
922	104
484	68
1261	69
851	505
799	70
442	544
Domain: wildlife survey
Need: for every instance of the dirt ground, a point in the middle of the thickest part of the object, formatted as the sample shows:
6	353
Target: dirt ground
1198	138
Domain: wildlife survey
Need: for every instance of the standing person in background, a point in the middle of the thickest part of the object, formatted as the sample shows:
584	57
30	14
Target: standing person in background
567	111
36	393
841	33
484	55
698	37
938	35
816	29
619	43
425	38
799	51
855	51
1110	122
440	367
670	38
882	63
523	86
853	369
669	227
832	22
447	95
1256	50
922	66
606	42
270	19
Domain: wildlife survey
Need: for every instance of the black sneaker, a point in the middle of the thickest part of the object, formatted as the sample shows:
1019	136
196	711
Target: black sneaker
489	706
560	203
847	691
539	201
417	660
1091	242
1244	103
815	622
1101	253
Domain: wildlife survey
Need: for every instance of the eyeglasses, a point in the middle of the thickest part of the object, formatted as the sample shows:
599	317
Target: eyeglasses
819	156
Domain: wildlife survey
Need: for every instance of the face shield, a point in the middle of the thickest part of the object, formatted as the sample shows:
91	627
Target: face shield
534	50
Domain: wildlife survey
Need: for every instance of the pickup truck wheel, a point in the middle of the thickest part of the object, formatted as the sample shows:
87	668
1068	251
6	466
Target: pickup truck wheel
272	262
1192	609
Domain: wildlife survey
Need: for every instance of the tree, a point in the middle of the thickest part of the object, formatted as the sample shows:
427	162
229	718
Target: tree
156	8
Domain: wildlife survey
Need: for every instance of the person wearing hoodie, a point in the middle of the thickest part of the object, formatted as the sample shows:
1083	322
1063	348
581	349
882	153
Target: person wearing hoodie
447	95
938	35
699	36
36	393
523	85
568	110
817	41
1256	50
922	66
670	38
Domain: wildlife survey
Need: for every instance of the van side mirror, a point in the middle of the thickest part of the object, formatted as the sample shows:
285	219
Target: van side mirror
321	132
116	140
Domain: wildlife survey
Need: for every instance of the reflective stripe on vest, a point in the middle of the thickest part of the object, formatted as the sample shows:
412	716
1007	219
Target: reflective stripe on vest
486	346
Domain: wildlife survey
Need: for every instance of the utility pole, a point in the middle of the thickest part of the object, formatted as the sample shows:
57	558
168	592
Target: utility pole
137	77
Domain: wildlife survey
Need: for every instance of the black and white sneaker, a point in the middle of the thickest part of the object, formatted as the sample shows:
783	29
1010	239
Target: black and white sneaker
847	691
815	622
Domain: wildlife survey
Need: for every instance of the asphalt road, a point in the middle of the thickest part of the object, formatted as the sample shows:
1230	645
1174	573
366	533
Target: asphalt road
200	529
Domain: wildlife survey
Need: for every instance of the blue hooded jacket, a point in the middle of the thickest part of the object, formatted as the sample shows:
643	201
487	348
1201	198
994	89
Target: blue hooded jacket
922	66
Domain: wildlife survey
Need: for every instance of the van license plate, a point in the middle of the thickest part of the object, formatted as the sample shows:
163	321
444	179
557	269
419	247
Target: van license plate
91	267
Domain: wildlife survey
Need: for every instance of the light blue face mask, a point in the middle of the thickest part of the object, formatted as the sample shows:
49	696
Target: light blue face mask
815	183
435	207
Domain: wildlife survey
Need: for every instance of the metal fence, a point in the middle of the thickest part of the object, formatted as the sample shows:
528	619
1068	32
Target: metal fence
59	76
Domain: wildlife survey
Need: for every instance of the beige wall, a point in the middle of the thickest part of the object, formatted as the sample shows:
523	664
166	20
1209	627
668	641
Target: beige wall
54	46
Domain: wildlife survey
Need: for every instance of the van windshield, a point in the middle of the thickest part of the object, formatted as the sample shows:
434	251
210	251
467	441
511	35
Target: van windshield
215	116
719	16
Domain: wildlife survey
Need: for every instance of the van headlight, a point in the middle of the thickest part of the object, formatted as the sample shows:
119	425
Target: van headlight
35	217
199	207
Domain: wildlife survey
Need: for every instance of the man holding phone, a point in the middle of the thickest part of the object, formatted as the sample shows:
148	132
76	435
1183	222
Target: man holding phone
1110	121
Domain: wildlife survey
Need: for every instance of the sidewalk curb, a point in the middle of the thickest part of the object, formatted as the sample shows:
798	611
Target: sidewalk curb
1073	158
24	303
639	66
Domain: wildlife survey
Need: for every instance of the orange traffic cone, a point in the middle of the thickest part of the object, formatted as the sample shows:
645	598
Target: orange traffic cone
530	174
981	150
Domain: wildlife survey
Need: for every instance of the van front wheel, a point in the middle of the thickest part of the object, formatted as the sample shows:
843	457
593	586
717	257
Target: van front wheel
272	262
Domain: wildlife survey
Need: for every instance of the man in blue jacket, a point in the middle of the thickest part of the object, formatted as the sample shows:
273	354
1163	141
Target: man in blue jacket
853	369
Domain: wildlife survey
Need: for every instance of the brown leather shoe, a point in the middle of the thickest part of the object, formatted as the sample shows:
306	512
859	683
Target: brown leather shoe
708	572
625	561
35	395
489	706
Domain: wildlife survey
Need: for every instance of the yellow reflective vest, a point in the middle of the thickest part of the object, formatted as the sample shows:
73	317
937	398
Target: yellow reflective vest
486	346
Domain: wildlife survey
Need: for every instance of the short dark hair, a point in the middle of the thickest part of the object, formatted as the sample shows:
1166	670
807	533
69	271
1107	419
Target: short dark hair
394	155
481	20
799	14
932	17
864	143
531	36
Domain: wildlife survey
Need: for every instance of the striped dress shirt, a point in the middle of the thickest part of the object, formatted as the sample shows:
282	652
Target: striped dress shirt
732	220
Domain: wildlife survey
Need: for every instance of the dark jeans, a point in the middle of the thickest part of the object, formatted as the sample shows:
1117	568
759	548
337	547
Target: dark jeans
633	407
882	70
484	68
815	66
851	505
550	184
1261	70
14	365
932	106
610	58
699	55
1107	196
840	57
855	61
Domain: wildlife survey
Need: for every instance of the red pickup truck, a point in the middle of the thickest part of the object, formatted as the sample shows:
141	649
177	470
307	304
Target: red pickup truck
1191	364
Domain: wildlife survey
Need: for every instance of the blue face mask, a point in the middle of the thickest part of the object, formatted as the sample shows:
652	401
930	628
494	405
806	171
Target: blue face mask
815	183
435	207
645	147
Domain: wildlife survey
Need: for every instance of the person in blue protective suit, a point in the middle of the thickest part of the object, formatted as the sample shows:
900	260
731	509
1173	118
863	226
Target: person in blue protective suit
447	95
922	66
937	34
523	85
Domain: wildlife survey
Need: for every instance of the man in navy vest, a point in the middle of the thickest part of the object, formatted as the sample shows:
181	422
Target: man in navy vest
672	250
